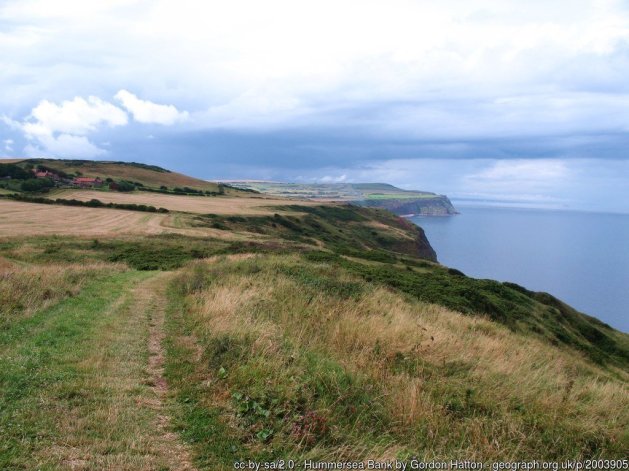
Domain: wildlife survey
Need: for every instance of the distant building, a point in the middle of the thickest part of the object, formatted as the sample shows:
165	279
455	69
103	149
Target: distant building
87	182
45	174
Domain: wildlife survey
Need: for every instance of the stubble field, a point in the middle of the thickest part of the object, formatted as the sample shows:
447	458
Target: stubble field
189	204
18	219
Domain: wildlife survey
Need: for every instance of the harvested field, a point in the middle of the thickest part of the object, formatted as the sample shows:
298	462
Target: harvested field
20	219
189	204
28	219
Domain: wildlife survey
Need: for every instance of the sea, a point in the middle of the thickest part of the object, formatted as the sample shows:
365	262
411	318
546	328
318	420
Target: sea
581	258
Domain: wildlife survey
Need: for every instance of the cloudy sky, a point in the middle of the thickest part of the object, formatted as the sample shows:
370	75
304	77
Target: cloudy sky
500	101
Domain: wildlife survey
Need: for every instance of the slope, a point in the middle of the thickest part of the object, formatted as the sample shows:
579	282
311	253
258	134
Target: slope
148	175
374	195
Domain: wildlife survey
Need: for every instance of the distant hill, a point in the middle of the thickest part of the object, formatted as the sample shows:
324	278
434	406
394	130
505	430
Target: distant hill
373	195
148	175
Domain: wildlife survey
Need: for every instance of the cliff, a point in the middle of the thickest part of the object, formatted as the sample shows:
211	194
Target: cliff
439	205
370	195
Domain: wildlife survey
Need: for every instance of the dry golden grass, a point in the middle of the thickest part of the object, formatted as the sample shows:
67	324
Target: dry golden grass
418	355
19	219
190	204
130	172
10	161
25	289
23	219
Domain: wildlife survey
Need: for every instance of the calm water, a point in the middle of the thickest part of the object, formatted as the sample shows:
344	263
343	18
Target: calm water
581	258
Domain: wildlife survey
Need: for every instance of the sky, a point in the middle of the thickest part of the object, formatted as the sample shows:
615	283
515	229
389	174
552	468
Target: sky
491	101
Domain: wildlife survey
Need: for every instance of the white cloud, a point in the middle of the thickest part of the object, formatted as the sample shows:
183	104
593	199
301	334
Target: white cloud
8	145
79	116
332	179
145	111
510	171
61	129
537	182
277	59
488	78
63	145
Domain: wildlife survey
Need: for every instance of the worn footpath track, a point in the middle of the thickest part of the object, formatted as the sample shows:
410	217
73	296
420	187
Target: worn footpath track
82	385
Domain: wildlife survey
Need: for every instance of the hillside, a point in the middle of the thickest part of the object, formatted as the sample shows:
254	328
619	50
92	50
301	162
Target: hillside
150	176
373	195
255	327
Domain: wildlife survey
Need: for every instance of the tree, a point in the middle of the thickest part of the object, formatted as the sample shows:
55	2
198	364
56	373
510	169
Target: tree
37	184
14	171
125	186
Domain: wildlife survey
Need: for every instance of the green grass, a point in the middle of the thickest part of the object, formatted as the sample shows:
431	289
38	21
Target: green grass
295	357
507	303
314	401
201	425
40	372
328	337
347	229
159	252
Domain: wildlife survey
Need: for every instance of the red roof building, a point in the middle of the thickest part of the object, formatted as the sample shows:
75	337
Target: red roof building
87	181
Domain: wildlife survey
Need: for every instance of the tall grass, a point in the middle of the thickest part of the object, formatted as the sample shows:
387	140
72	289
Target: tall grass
297	370
26	288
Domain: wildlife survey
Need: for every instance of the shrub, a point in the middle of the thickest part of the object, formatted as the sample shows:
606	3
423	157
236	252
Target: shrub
124	186
37	184
13	171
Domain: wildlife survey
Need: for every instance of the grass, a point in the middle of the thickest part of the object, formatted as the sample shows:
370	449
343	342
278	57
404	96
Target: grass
309	332
338	191
75	392
26	289
511	305
364	194
19	219
191	204
40	372
284	368
343	229
145	174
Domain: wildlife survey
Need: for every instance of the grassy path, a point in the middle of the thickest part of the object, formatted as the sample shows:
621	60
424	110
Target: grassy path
81	383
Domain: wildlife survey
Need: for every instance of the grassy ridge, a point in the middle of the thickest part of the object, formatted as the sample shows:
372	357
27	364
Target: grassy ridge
343	229
306	360
374	245
391	243
507	303
148	175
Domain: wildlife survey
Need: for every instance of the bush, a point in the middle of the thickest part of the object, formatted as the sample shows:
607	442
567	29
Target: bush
36	184
124	186
93	203
13	171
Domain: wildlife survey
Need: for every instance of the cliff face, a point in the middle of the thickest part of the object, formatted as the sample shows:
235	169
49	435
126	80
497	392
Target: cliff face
423	247
438	206
370	195
417	245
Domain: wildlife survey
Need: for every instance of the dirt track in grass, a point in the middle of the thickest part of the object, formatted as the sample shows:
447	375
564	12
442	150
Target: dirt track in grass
82	385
